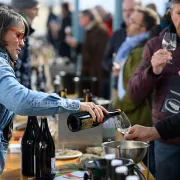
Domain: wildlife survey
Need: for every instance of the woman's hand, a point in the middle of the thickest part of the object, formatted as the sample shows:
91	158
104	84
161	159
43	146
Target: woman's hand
71	41
142	133
159	60
96	111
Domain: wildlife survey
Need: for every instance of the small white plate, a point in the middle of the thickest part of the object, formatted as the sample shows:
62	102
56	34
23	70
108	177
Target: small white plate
68	154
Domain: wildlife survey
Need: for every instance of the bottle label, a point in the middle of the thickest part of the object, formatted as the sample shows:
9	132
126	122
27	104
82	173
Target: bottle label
34	164
87	123
53	165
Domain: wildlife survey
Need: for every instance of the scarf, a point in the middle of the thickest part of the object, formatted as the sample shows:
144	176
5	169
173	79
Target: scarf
129	44
4	51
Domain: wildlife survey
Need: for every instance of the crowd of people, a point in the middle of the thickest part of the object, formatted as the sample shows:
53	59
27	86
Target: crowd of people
142	71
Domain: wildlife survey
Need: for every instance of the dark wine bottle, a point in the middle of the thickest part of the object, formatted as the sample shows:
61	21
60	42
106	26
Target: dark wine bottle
27	146
114	164
88	96
56	84
121	172
45	153
83	120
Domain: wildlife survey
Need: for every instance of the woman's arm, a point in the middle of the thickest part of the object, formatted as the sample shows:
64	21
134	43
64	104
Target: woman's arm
23	101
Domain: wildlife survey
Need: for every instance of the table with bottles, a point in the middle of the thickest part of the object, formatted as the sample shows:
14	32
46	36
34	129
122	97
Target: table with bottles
12	169
14	163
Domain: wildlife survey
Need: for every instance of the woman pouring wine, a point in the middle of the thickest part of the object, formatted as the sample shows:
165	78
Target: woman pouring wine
15	98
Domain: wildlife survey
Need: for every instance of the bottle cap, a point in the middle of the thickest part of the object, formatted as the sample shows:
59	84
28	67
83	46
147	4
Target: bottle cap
43	117
109	156
132	177
121	170
116	162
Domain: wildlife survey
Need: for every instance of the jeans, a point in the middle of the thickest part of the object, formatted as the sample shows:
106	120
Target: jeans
3	153
151	158
167	160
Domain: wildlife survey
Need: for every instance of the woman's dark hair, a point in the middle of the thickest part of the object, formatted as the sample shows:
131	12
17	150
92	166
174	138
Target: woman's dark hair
65	5
89	13
150	17
9	17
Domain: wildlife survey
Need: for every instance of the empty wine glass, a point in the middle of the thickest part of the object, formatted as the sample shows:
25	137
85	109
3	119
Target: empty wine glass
122	123
169	42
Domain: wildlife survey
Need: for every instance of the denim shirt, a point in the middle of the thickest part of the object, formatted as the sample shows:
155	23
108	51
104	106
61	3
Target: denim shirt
17	99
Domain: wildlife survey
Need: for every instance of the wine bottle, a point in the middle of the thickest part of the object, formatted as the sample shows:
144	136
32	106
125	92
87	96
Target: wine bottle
45	153
109	158
56	84
121	172
132	177
84	94
27	146
88	96
114	164
83	120
63	93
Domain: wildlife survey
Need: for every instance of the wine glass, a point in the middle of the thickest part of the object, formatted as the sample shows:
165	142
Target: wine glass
169	42
122	123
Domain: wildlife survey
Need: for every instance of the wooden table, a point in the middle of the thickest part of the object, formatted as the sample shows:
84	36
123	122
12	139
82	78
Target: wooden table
12	169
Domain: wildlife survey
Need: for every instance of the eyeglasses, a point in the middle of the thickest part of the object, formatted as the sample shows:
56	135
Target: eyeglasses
132	21
128	10
20	35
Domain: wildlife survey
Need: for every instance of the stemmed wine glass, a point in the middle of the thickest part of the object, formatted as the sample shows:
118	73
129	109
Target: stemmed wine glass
169	42
122	123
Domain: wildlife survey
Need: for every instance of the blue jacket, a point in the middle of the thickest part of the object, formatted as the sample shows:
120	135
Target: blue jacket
17	99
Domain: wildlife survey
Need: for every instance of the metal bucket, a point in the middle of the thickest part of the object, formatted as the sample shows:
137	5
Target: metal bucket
135	150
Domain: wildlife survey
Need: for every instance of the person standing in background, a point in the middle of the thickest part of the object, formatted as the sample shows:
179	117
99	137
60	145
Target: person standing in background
66	22
129	54
106	18
92	48
29	10
53	26
117	39
153	76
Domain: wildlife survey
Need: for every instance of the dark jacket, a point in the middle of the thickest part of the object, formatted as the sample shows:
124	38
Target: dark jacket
169	127
64	48
23	66
93	50
113	45
144	81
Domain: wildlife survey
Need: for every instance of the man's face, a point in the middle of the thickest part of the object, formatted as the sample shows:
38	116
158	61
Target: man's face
32	12
135	24
128	9
175	16
84	20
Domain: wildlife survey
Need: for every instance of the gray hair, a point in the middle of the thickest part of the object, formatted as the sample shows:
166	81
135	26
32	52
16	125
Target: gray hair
172	2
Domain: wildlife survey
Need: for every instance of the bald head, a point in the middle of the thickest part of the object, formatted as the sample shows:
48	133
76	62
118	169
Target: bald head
128	8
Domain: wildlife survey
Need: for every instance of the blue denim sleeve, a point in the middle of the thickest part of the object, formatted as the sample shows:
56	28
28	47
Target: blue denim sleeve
23	101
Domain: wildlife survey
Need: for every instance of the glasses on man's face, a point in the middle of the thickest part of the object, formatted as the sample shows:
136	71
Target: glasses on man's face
128	10
20	35
132	21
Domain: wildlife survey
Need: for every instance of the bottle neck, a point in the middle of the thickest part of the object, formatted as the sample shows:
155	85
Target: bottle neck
113	113
44	124
32	120
32	126
63	95
88	98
